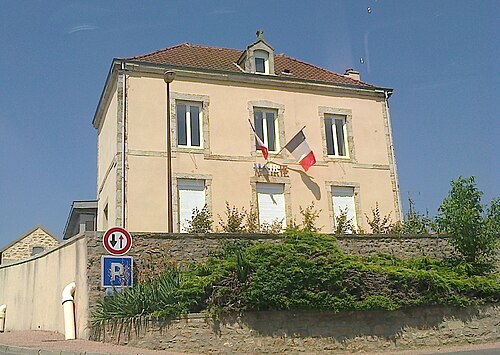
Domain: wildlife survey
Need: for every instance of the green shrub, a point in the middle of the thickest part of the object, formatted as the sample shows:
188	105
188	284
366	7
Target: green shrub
309	218
343	225
378	224
461	215
201	221
234	221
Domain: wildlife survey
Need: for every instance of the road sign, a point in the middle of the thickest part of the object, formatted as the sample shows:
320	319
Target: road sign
117	271
117	241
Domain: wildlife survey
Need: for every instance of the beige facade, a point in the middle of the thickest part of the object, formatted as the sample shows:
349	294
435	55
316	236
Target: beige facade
36	241
136	95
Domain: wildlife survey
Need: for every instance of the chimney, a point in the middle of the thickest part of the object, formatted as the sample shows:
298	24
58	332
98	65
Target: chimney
351	73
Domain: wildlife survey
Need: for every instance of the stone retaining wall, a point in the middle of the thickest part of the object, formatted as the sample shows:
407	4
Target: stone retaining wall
321	332
405	247
192	247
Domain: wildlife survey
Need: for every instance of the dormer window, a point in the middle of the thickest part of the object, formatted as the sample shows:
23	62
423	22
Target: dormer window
261	62
258	58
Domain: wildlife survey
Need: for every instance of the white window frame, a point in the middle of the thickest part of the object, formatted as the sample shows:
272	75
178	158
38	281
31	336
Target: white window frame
335	138
188	105
265	133
260	54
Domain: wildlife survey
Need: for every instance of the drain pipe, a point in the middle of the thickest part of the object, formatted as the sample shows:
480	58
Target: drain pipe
3	309
124	118
69	311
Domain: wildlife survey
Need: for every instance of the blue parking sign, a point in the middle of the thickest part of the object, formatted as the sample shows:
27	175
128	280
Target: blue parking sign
117	271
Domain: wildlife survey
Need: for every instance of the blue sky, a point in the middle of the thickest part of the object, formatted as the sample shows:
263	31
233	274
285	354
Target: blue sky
441	58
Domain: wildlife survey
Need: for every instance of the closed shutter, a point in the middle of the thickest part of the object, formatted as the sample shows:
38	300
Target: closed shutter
343	199
271	200
191	196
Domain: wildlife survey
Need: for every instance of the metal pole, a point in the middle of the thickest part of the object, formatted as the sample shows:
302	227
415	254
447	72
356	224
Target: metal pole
168	77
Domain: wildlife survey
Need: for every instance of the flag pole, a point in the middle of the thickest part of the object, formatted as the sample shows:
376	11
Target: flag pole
251	125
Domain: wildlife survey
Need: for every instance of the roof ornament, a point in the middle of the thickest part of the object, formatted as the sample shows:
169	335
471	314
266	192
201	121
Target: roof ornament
260	35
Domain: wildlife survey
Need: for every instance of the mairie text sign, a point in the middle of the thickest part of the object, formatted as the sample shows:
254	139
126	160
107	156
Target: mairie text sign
117	241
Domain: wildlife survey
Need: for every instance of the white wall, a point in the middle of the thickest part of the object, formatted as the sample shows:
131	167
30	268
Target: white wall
32	289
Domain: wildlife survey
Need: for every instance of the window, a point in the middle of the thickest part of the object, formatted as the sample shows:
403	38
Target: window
343	201
261	62
266	127
37	250
189	124
336	133
271	202
191	196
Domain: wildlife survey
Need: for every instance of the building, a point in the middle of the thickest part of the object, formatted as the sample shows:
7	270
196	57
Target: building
215	93
33	242
82	217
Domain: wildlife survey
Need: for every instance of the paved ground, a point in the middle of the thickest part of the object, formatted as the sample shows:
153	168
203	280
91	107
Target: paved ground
52	343
36	340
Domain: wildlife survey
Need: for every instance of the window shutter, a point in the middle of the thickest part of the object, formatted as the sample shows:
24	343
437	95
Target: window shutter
191	196
271	200
343	198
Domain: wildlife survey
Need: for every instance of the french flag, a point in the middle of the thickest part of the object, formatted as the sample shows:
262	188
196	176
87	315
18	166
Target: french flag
301	151
260	143
262	146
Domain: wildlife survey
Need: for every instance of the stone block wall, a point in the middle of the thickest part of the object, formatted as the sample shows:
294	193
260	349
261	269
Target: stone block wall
321	332
192	247
405	247
177	248
299	332
23	248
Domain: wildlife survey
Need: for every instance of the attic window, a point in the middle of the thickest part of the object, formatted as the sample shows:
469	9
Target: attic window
261	62
37	250
286	72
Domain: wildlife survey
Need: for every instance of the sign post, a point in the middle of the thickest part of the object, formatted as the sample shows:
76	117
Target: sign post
117	270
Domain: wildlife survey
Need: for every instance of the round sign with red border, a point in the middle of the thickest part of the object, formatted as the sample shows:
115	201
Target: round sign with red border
117	241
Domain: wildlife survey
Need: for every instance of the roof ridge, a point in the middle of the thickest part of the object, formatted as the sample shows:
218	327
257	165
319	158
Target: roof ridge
213	47
184	44
160	50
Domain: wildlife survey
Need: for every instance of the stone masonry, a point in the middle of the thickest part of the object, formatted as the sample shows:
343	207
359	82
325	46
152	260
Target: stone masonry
320	332
23	247
298	332
182	248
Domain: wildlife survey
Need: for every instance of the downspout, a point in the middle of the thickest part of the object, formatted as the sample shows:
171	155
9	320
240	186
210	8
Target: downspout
3	309
124	107
69	311
393	158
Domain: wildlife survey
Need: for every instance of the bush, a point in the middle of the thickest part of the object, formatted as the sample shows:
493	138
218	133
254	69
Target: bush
343	225
378	224
461	215
234	220
201	221
309	218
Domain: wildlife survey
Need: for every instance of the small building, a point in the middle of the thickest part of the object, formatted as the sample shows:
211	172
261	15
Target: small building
82	218
215	157
36	241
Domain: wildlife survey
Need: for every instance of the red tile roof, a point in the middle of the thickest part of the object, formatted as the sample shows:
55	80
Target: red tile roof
203	57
